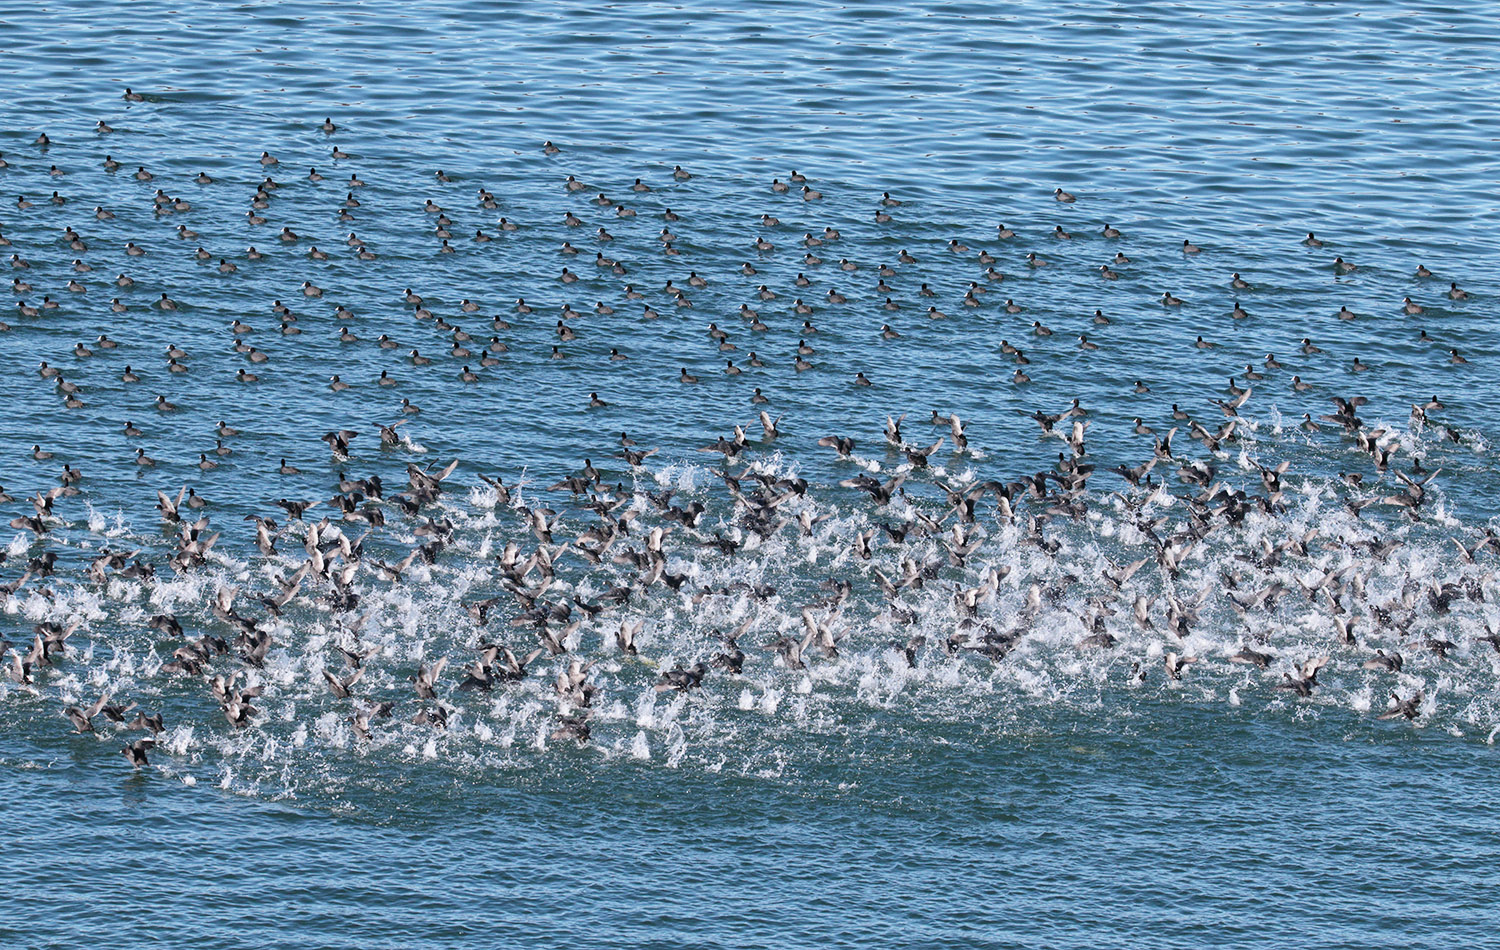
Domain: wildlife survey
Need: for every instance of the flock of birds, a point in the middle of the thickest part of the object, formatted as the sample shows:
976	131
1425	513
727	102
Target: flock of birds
609	582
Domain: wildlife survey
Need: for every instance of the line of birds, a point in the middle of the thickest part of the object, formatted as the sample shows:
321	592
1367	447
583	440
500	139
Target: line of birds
634	529
462	345
949	536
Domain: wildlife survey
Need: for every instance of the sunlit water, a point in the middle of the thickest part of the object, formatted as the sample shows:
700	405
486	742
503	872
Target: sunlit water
1015	783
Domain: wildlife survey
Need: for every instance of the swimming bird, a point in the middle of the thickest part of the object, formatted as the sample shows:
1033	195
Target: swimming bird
1409	708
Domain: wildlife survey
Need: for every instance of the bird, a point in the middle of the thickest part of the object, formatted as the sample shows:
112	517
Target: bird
1304	678
135	752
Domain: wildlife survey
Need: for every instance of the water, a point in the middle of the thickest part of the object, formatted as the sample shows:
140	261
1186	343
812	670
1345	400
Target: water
1057	795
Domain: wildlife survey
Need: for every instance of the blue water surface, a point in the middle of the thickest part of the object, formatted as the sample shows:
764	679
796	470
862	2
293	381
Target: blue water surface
1056	802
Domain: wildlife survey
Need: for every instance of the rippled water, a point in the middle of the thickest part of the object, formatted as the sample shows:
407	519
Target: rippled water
1055	794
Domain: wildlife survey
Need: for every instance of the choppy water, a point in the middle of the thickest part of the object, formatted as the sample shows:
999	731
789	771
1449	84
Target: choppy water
1014	783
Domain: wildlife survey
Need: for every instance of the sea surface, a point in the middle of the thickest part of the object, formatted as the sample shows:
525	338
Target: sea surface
978	745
